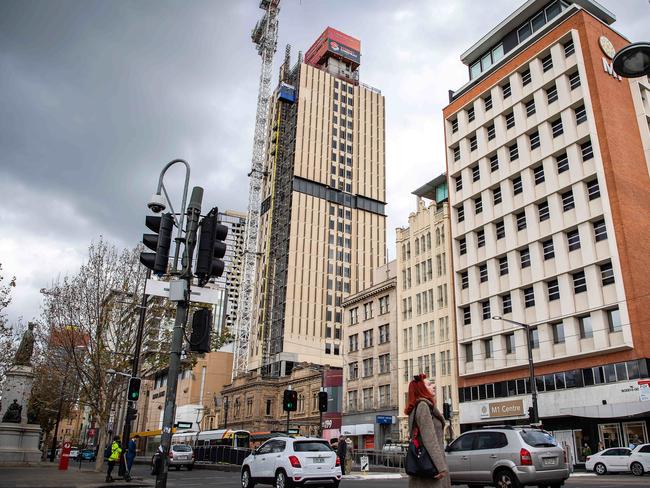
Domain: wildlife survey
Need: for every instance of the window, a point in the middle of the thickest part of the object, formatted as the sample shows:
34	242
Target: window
478	205
607	273
558	333
354	316
538	172
462	246
562	162
353	370
460	213
574	80
510	120
480	238
487	347
547	63
517	186
547	249
367	338
600	231
503	266
514	152
454	125
556	127
469	354
383	305
525	77
569	48
553	288
459	182
487	102
581	114
476	173
543	211
496	195
587	151
384	395
473	144
614	320
534	140
533	337
567	201
456	153
510	343
483	273
573	239
464	280
521	220
551	94
467	316
491	133
500	229
524	258
530	107
384	334
367	310
367	398
593	190
384	363
367	367
494	163
529	297
586	330
506	90
506	303
353	343
470	114
579	282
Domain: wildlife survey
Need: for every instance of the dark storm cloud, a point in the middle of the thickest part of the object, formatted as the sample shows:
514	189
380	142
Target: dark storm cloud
96	96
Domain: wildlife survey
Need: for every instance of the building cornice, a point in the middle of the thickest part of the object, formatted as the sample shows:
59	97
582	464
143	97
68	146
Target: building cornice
367	293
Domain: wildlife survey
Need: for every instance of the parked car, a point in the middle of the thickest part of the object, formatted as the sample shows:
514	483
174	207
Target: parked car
88	454
612	460
179	455
288	462
507	456
74	452
640	460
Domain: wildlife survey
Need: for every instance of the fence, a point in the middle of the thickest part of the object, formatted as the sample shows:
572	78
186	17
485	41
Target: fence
389	459
221	454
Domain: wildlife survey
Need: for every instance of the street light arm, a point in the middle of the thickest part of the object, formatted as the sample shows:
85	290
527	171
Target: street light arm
520	324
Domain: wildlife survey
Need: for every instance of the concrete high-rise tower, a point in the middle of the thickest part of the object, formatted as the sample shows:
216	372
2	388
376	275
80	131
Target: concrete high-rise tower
322	223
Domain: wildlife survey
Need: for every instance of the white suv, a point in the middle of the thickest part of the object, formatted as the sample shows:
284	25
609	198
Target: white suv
286	462
640	460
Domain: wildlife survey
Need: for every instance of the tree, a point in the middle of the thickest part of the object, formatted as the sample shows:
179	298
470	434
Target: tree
92	323
7	333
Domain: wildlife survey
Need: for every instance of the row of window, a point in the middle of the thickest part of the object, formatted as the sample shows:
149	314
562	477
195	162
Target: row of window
368	338
425	334
575	378
368	310
423	243
410	368
424	301
368	368
367	396
424	271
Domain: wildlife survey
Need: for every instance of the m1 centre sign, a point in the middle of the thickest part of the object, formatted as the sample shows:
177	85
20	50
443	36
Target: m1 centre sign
509	408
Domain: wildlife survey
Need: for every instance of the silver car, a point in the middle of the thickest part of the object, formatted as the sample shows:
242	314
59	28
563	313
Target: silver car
507	457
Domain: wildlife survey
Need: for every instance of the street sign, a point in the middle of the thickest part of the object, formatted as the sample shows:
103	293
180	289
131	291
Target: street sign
197	294
91	433
365	465
183	425
385	419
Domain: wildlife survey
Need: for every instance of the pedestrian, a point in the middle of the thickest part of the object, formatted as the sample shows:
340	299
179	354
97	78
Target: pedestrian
422	412
130	453
349	455
341	451
586	452
601	446
116	452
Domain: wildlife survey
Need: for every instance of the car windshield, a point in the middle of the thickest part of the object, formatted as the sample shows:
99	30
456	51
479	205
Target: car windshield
538	438
182	448
311	446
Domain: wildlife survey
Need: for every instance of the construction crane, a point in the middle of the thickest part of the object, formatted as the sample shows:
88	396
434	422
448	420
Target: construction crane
265	37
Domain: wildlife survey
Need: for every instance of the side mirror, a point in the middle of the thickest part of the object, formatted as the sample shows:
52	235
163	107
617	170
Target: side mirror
448	448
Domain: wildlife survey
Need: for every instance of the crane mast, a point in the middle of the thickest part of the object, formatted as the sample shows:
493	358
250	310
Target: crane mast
265	37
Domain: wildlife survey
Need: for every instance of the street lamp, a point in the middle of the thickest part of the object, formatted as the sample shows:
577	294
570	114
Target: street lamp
531	365
633	61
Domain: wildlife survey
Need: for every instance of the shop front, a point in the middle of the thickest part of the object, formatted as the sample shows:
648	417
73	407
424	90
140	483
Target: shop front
371	430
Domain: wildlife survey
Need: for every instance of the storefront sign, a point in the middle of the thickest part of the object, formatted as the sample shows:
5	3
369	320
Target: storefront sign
385	419
644	390
511	408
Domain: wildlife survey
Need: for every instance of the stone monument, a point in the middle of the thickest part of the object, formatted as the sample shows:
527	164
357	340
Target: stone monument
18	438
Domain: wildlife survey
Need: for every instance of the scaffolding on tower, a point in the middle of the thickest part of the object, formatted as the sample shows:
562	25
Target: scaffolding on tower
265	37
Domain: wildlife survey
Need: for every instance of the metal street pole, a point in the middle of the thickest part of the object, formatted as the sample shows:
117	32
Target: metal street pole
135	365
531	364
225	410
184	283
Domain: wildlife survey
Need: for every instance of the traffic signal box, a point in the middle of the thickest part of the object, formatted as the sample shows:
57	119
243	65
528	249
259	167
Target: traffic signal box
134	389
160	242
290	400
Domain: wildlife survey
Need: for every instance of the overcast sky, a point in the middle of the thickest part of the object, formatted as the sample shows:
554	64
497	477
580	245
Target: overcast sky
96	96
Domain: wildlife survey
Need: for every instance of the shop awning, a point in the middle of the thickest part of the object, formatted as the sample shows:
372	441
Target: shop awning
358	429
608	411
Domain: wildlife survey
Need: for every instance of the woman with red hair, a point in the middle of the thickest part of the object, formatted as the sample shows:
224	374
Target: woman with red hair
422	412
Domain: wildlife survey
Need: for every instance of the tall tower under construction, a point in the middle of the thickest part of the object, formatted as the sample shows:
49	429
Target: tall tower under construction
322	221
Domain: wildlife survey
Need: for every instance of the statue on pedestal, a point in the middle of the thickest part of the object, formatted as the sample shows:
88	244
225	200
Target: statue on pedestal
25	350
13	413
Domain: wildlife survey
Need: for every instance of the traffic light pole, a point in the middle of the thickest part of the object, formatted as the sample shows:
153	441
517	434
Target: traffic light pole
135	366
193	214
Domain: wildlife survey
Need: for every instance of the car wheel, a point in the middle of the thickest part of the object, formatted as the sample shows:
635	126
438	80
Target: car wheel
637	469
247	479
335	484
178	468
190	467
282	480
506	479
600	469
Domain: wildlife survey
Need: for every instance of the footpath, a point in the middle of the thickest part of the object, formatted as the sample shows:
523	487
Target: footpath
46	475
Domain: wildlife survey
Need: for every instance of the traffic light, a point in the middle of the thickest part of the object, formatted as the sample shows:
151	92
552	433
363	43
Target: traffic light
211	249
201	329
160	242
322	401
131	412
134	389
531	415
446	410
290	401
